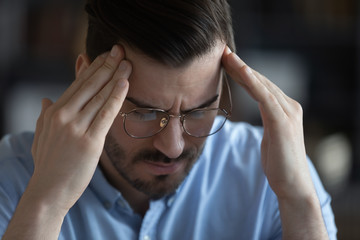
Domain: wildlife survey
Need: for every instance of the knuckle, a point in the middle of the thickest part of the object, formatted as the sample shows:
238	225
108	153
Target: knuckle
33	151
89	84
87	140
105	113
59	117
48	113
99	98
99	60
271	98
72	129
116	99
108	66
298	110
61	124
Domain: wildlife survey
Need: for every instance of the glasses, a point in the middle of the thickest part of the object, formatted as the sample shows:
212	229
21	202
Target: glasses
146	122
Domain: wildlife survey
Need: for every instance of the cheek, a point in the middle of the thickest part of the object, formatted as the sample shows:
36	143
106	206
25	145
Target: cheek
119	135
130	145
117	130
192	142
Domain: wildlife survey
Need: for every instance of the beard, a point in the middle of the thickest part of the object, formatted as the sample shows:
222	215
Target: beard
157	186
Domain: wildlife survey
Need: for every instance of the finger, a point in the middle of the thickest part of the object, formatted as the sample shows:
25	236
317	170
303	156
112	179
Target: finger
239	70
271	86
242	74
258	86
96	82
74	87
106	115
45	103
268	97
280	96
90	111
290	107
233	71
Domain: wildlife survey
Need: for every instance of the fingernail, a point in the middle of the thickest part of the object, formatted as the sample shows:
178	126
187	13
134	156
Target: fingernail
122	83
228	50
114	51
122	66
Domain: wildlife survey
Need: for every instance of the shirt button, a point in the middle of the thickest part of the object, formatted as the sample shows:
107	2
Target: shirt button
107	205
170	201
121	203
147	237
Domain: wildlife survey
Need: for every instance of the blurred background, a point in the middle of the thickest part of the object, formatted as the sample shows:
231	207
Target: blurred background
310	48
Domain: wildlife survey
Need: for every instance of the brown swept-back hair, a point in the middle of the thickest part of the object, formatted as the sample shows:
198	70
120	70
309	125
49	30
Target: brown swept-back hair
172	32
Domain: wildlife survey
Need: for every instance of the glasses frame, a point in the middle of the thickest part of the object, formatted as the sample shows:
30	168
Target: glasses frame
181	116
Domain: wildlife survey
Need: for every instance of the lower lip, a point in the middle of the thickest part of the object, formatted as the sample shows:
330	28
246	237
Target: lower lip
158	169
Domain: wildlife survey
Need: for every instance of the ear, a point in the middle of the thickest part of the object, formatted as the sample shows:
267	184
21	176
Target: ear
82	63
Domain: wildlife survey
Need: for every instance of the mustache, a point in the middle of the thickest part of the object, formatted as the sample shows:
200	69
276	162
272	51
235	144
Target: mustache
157	156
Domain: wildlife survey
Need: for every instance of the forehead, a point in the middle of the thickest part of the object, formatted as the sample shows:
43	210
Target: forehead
164	86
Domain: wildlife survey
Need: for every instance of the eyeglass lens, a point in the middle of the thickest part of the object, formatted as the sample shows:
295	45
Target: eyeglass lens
142	123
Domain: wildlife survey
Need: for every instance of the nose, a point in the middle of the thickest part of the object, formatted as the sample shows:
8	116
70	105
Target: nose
170	140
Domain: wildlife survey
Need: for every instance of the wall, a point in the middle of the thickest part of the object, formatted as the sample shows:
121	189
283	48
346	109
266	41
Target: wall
309	48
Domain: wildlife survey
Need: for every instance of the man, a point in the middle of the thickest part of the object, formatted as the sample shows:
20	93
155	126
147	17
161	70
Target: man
126	151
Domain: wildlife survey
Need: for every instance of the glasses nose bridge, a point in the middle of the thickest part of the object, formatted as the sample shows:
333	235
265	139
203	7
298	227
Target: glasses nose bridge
179	116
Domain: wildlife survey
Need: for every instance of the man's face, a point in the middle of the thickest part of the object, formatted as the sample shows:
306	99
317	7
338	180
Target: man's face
157	165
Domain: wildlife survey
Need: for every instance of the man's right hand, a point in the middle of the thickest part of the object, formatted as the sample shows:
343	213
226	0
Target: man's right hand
68	142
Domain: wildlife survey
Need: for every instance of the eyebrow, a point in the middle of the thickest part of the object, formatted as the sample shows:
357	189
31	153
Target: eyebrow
142	104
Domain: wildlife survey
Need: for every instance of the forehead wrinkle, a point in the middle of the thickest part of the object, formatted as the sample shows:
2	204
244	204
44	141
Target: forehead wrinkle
189	100
206	103
155	85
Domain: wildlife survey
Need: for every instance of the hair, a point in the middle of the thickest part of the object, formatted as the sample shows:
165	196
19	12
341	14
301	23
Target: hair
172	32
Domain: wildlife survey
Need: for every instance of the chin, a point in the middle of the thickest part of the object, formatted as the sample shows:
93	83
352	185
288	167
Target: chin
160	186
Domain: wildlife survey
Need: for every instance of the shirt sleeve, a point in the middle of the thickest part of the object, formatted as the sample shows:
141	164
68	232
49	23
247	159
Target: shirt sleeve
325	203
6	210
16	167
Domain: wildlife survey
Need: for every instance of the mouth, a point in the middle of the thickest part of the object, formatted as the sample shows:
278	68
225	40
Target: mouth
163	168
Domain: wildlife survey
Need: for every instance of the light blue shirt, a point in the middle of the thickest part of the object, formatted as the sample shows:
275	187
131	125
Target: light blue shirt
225	196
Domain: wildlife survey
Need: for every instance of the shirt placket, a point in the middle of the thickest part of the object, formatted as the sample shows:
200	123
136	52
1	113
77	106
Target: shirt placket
151	220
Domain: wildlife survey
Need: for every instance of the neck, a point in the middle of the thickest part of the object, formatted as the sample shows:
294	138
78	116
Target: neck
137	200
